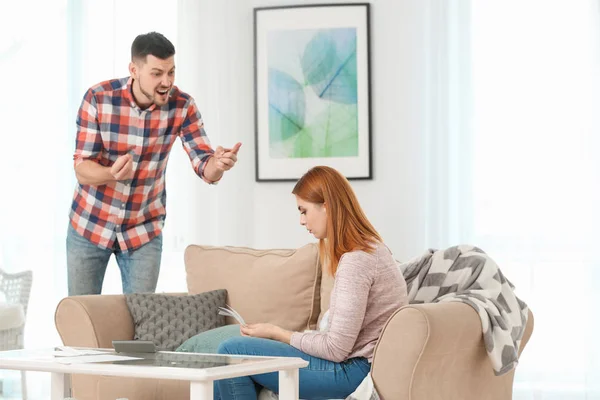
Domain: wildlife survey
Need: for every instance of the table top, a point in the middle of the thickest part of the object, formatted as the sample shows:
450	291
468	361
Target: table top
159	365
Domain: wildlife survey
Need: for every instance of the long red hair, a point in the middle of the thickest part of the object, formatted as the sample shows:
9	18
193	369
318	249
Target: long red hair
348	229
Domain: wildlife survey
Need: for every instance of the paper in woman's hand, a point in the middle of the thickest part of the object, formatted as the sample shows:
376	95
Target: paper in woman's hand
230	312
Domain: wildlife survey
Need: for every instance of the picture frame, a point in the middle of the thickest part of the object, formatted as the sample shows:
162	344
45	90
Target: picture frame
312	84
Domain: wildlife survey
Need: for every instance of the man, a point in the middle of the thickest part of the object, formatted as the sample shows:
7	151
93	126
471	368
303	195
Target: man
125	131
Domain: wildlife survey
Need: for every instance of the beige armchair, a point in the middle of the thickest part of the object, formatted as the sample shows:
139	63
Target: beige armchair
425	352
436	352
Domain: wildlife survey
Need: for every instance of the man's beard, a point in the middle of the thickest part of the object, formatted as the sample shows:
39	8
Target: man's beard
149	96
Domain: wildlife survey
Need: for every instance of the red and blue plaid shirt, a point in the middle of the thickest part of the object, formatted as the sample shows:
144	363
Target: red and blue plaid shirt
109	125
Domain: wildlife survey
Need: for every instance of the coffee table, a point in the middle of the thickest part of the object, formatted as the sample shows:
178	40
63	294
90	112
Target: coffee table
199	369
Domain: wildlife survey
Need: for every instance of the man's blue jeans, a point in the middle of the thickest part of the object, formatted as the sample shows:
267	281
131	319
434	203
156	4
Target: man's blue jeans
86	265
321	379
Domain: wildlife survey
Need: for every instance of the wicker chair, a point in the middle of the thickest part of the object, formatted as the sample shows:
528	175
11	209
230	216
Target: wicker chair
16	289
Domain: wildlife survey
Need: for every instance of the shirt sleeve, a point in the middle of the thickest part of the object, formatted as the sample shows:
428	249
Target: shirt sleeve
88	141
350	295
195	141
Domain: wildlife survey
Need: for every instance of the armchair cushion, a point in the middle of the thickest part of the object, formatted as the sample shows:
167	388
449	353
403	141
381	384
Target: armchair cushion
169	320
11	316
280	286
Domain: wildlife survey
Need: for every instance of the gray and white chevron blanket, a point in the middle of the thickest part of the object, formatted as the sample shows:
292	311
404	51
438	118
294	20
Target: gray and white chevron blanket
468	275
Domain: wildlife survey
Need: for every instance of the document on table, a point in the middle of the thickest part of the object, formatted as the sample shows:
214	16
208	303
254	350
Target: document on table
93	359
71	355
64	351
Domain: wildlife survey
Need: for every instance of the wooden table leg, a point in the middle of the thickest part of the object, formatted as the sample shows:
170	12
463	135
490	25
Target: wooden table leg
289	388
60	386
201	390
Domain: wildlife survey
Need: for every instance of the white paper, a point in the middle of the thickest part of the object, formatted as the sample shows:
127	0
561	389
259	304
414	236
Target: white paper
230	312
94	358
64	351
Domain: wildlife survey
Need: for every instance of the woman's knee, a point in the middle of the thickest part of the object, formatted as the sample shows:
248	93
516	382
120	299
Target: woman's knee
231	345
251	346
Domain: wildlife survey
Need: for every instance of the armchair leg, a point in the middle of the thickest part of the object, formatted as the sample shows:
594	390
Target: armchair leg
23	385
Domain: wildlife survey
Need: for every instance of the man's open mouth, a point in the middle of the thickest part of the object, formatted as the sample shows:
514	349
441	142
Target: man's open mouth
162	92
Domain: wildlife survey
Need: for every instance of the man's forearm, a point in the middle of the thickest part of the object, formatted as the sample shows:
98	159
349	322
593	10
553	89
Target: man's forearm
211	172
91	173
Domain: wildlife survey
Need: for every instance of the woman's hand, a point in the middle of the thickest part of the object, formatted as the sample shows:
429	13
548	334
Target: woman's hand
266	331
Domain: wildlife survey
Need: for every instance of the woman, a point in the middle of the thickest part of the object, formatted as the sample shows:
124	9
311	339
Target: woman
368	288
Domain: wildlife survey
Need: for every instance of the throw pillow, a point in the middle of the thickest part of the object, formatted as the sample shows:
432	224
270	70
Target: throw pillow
209	341
169	320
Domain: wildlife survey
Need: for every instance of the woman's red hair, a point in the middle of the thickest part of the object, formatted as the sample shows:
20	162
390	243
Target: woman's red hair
348	229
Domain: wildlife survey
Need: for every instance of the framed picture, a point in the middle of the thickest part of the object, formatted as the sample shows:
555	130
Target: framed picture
312	90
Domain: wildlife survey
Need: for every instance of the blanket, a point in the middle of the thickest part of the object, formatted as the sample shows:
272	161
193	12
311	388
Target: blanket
466	274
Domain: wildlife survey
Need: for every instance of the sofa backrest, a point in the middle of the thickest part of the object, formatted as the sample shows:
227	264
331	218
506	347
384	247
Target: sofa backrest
280	286
326	287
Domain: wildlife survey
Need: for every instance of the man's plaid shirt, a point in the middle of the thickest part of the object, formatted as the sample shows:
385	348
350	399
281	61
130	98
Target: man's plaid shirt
110	124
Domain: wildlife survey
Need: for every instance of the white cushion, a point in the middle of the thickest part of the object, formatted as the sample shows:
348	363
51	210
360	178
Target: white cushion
11	316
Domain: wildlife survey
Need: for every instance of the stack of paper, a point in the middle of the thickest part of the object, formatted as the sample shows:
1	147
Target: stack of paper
72	355
65	351
230	312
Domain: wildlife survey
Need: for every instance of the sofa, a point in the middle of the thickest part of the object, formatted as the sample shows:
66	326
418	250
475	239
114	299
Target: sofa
425	352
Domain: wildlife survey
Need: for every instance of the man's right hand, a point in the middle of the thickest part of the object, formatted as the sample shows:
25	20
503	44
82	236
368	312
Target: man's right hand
122	169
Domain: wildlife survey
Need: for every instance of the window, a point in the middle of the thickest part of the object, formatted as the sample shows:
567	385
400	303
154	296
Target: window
535	178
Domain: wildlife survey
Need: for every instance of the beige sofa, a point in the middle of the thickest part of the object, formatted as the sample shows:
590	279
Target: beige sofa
425	352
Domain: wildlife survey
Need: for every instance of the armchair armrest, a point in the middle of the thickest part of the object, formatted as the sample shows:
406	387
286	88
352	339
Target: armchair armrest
436	351
93	321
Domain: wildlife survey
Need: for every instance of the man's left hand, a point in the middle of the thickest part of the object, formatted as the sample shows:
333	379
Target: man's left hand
225	159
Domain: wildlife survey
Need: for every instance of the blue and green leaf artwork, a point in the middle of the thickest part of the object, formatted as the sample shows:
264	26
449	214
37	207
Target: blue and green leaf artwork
312	94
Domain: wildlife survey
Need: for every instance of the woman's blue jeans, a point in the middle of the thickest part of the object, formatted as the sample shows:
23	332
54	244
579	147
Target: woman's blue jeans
321	379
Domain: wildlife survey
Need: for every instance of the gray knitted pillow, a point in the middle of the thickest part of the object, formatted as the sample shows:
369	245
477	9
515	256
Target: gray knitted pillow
169	321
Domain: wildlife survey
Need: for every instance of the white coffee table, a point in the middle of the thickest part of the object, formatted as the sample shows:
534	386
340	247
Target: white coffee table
200	369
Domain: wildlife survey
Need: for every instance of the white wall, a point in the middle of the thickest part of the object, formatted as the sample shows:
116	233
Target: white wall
215	65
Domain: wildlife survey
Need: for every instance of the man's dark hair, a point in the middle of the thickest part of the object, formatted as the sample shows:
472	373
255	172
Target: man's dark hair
151	43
